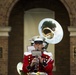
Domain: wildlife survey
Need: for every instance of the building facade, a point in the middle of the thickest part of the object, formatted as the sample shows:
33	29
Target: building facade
12	34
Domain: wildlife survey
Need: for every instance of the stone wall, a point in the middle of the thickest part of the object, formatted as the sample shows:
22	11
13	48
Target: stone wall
4	50
4	57
72	31
73	55
5	9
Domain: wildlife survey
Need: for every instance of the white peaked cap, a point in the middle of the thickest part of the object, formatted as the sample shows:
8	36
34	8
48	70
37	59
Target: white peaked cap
38	38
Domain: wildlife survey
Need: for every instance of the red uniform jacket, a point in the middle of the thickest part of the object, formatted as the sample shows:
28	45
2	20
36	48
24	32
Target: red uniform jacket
42	68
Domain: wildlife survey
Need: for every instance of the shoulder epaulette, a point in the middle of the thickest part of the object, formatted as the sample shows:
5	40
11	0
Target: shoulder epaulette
27	53
48	53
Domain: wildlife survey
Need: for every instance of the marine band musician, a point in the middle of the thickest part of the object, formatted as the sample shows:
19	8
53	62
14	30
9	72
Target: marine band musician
40	63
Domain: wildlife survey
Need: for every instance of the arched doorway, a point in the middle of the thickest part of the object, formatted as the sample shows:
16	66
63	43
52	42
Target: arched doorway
16	39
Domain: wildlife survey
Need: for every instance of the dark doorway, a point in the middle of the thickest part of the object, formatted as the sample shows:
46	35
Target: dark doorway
15	52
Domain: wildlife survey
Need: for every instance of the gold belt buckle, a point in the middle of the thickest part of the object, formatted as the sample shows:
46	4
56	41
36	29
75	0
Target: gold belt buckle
38	73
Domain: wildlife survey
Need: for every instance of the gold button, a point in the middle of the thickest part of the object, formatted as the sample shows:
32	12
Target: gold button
46	57
29	56
29	62
28	59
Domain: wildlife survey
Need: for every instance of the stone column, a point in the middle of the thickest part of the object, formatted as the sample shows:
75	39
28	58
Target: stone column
72	31
4	33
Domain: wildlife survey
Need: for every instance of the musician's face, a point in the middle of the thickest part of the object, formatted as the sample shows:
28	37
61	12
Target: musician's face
38	45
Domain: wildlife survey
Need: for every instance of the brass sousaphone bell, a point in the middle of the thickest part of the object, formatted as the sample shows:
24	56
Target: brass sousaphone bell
51	30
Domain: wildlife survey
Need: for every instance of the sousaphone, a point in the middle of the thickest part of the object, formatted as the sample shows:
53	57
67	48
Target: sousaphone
51	30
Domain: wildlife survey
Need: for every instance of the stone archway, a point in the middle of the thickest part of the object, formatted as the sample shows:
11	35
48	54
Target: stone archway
4	22
16	23
10	4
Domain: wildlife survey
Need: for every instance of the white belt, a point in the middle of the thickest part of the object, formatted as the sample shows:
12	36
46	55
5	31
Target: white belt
37	73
